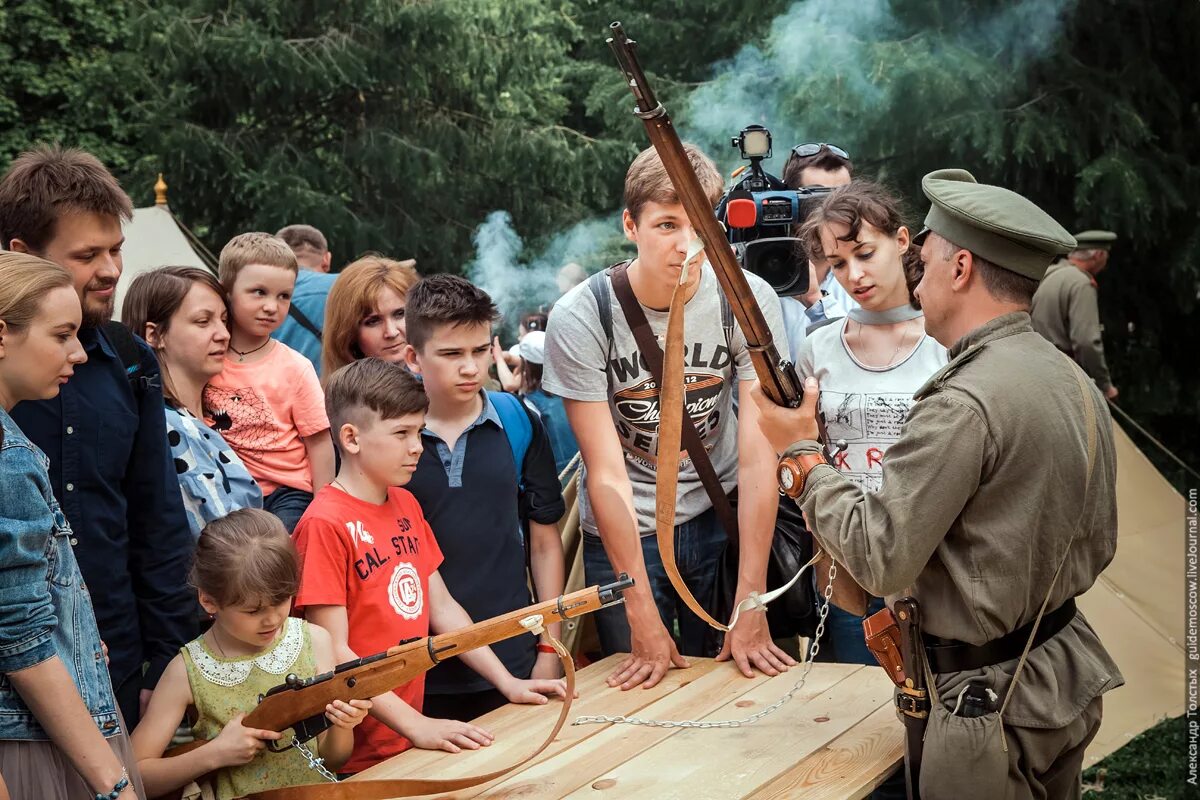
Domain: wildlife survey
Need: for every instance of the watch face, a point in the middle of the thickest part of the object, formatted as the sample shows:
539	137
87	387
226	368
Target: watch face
787	478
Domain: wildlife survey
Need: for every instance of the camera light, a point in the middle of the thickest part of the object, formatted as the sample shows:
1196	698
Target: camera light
756	143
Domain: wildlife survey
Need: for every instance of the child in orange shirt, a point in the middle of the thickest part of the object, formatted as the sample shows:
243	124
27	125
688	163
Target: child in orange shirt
369	562
267	400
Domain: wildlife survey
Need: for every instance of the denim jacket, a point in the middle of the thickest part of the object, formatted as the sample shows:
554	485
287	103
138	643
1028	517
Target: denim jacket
45	609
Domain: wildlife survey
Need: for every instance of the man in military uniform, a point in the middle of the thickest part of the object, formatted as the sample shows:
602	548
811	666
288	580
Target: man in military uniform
1065	307
998	502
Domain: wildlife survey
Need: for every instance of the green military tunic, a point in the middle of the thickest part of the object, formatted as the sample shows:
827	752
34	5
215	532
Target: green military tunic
979	500
1065	310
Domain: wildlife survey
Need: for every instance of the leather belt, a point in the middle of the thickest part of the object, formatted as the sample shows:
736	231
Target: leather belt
951	655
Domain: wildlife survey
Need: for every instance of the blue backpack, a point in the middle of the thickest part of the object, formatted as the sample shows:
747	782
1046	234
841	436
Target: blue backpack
517	428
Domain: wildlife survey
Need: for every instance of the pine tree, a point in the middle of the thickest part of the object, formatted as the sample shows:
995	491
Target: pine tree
68	77
397	127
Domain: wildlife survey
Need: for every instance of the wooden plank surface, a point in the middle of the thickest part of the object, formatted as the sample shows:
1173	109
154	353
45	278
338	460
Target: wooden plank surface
733	763
519	728
834	772
582	765
833	739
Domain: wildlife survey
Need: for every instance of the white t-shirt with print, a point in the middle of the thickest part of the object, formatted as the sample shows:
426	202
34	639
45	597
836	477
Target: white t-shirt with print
865	406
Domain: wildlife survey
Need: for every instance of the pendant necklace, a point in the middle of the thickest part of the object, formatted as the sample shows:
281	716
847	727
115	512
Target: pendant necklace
895	353
217	642
242	355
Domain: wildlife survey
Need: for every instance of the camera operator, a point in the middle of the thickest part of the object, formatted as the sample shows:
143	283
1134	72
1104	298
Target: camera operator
810	165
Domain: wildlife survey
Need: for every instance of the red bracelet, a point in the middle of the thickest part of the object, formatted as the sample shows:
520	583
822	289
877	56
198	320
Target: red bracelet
546	648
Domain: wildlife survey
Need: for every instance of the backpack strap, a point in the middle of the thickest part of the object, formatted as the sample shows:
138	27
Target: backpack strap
304	321
598	285
517	428
727	327
124	342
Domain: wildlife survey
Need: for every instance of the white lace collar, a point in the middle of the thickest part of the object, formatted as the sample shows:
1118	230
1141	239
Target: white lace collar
277	661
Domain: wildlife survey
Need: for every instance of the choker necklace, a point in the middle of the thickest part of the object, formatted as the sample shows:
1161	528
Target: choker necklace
887	317
242	355
895	353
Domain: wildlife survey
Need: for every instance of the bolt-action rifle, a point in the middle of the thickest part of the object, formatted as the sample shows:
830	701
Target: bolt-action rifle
776	374
299	703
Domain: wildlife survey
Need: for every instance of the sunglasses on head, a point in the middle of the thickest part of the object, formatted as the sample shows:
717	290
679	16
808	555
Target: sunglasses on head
812	148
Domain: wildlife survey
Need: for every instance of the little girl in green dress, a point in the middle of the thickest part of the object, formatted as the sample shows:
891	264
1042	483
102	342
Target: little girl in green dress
246	573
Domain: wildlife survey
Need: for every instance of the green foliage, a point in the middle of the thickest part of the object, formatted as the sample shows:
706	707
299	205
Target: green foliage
66	77
396	127
399	126
1152	765
1086	107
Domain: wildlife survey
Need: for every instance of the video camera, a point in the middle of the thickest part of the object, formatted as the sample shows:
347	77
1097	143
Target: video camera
760	213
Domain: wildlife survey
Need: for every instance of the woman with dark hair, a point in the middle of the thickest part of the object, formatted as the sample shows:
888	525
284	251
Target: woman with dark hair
871	362
181	313
61	733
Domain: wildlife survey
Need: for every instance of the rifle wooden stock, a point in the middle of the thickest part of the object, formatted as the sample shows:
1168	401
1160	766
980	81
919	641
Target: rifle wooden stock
297	700
777	375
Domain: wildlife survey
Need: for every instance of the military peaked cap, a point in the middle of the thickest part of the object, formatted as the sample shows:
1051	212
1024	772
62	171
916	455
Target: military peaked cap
1095	240
993	222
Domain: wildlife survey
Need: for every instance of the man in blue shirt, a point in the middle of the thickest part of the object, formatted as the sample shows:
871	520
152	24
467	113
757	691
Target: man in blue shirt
305	322
105	434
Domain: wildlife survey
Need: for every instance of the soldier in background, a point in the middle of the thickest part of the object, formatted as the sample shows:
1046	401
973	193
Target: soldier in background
1066	311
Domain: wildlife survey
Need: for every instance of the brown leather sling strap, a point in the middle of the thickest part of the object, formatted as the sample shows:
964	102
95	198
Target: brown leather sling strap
675	424
413	787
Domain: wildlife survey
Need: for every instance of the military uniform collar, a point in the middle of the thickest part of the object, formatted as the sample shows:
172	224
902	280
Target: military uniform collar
970	345
1000	327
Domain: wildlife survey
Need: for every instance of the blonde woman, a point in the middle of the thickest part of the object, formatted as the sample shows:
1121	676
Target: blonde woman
364	315
54	743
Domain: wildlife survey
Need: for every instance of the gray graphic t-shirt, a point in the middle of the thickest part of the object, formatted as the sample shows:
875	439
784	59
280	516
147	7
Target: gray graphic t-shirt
581	364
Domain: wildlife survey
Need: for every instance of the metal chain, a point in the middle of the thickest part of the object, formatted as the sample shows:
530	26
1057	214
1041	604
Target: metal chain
734	723
314	762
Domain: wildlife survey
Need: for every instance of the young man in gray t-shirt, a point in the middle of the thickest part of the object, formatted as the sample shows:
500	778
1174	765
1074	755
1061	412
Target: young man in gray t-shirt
612	404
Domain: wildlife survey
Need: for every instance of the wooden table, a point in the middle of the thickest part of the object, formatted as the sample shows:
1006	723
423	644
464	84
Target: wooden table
837	738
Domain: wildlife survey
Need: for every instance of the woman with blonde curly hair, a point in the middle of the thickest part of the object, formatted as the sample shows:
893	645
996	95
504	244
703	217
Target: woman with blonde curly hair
364	315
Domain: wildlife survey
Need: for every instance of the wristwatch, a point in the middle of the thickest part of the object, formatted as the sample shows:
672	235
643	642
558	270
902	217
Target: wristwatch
793	471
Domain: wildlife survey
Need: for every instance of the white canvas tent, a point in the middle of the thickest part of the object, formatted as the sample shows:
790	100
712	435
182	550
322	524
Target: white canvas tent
154	239
1137	604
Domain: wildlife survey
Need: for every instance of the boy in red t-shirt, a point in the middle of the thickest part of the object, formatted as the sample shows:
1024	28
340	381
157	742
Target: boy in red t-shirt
369	561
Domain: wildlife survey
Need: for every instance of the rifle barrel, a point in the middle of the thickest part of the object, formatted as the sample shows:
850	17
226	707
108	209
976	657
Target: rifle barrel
778	378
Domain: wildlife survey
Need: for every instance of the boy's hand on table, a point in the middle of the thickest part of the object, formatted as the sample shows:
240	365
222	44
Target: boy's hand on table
750	646
447	734
533	691
653	651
